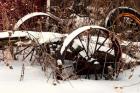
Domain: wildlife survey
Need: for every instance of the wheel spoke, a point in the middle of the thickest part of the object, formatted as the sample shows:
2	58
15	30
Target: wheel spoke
21	50
88	43
98	34
28	54
83	46
32	55
109	50
104	65
102	44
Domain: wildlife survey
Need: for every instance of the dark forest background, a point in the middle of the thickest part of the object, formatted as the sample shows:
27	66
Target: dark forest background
12	10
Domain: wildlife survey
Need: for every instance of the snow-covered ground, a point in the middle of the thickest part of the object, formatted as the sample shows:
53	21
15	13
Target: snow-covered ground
35	81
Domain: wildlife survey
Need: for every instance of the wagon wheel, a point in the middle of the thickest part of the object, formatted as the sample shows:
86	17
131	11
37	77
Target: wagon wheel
91	50
53	19
125	22
39	50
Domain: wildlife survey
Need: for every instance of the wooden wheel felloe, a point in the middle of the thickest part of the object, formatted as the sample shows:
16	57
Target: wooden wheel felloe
91	50
121	12
50	18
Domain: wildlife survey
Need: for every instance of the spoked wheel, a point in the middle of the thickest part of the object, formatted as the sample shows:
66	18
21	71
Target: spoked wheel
43	45
125	22
53	21
91	50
